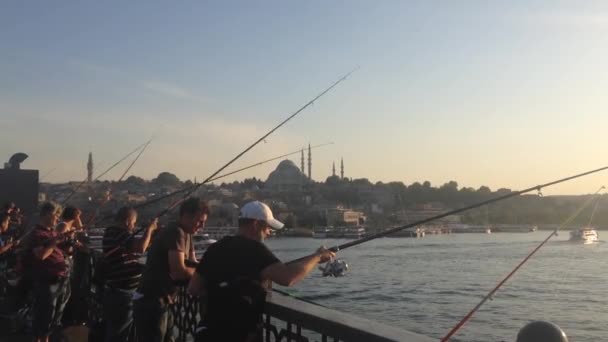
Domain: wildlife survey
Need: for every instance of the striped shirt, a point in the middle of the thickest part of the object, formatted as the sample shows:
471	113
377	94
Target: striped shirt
122	269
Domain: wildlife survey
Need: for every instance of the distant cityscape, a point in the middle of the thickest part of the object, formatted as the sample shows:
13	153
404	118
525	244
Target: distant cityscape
303	203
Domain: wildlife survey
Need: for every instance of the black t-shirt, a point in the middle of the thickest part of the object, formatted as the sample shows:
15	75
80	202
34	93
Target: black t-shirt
235	256
156	280
231	270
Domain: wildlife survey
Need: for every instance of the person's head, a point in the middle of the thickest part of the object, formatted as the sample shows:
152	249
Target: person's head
126	217
256	221
5	220
8	207
70	214
49	214
193	214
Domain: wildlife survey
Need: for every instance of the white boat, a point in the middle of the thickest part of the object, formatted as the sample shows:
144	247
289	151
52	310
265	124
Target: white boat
219	232
354	232
586	235
321	232
202	241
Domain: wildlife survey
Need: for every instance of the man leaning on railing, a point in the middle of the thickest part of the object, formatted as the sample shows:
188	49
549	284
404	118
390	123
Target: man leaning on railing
234	274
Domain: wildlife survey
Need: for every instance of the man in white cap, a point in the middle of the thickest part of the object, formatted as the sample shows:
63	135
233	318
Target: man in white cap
235	272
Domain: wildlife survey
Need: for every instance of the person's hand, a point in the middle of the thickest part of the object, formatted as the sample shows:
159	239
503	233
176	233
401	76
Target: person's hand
153	225
325	254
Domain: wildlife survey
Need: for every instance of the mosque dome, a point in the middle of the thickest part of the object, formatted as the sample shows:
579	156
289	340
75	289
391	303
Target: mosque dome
287	176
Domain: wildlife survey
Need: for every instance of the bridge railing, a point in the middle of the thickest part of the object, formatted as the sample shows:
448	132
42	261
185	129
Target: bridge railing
286	319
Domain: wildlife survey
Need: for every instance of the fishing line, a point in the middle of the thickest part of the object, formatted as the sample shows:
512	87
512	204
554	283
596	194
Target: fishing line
65	201
120	179
171	194
508	276
457	211
571	261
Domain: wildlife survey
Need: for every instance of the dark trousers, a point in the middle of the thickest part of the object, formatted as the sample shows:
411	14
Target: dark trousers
50	298
118	315
153	320
76	310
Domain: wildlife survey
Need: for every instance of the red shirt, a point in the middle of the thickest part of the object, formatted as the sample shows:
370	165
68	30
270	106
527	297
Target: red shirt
54	265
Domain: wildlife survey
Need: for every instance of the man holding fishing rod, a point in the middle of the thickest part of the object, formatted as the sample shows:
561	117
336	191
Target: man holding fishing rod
48	272
234	275
122	272
169	263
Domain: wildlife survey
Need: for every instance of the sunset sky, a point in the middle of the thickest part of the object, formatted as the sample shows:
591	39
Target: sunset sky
504	94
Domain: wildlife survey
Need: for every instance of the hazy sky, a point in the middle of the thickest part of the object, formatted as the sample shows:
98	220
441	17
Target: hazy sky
504	94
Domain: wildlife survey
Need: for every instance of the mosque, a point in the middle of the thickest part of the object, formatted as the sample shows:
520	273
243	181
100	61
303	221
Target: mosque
288	177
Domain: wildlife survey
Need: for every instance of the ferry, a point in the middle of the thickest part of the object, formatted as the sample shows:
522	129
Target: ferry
471	229
586	235
353	232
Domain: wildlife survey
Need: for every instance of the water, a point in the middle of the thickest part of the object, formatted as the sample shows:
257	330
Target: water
427	285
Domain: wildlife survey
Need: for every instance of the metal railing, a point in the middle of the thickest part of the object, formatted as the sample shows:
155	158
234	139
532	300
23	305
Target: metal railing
286	319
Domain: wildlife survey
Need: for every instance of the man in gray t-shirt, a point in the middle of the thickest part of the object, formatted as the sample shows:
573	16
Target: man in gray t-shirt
165	270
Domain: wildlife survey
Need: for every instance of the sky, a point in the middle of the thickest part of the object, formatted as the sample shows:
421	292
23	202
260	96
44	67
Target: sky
507	95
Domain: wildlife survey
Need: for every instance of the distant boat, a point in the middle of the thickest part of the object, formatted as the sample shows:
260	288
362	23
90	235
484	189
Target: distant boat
202	241
586	235
321	232
354	232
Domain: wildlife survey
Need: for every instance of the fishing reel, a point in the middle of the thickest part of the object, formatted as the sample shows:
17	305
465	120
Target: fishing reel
334	268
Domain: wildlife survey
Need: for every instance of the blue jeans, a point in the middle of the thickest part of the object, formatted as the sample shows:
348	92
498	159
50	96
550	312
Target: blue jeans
50	298
153	320
118	315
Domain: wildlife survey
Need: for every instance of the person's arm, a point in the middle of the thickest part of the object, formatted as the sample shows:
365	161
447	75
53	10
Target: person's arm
177	266
142	243
192	256
62	228
6	248
197	285
43	252
290	274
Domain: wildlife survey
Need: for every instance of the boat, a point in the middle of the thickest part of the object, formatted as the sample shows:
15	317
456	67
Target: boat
321	232
463	228
202	241
585	234
353	232
217	233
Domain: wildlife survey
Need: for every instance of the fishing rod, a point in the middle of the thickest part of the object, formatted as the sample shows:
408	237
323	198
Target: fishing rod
171	194
593	212
65	201
457	211
171	207
121	177
227	174
266	161
194	188
134	160
504	280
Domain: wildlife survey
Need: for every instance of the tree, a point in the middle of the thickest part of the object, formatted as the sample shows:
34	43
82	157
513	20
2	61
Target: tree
166	179
134	180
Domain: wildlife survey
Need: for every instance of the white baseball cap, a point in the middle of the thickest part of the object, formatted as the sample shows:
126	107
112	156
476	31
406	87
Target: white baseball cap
259	211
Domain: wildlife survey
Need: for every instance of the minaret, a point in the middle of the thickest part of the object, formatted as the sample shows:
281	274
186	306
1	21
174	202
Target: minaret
341	168
302	163
309	163
90	168
333	169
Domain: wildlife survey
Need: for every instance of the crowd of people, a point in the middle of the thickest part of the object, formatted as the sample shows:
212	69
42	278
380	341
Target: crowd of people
231	279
